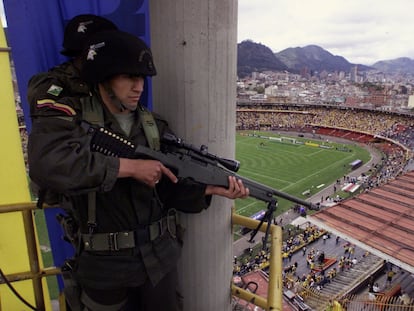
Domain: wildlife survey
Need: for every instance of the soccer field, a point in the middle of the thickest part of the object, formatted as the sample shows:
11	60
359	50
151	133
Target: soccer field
291	167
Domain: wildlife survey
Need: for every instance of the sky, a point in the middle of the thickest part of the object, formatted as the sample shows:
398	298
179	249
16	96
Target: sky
2	18
362	31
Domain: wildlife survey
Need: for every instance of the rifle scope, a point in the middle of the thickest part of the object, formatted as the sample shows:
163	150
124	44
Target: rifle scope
171	139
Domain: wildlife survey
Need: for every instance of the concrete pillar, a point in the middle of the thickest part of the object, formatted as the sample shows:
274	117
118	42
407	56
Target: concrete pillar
195	50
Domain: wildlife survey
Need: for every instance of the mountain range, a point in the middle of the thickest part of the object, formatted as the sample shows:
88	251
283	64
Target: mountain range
258	57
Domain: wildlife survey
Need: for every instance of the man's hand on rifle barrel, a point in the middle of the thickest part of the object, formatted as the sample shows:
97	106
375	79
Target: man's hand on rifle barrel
235	190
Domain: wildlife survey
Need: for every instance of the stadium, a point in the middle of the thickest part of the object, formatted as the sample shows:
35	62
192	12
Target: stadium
378	187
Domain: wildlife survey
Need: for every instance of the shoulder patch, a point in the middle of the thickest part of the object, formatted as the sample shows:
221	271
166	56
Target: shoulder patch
55	90
51	104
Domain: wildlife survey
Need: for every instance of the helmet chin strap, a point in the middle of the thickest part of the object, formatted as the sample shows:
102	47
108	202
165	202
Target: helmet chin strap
122	106
115	100
131	108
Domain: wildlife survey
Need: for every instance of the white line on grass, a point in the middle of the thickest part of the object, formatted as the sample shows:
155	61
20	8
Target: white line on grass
316	173
265	176
290	183
255	202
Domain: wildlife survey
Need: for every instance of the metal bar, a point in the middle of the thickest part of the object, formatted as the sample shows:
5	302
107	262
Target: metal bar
274	291
249	296
33	258
20	207
22	276
36	273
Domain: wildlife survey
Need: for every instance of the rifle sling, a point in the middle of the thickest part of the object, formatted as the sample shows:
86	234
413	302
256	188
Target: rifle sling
150	128
92	112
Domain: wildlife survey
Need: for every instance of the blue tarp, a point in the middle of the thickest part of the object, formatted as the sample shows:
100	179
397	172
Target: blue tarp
35	35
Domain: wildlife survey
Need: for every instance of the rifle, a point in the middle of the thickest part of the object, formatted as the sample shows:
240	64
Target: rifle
187	161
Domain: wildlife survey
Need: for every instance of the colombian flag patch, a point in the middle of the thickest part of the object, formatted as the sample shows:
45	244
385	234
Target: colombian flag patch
56	106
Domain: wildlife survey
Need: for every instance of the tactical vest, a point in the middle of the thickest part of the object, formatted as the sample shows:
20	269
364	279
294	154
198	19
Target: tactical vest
92	112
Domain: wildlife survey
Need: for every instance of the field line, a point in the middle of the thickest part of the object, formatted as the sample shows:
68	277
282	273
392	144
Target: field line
247	206
316	173
266	176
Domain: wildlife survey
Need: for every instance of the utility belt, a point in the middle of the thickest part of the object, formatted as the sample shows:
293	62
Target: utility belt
115	241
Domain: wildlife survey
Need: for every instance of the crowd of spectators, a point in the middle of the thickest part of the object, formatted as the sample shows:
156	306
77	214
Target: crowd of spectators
391	166
321	270
303	237
396	126
320	273
403	134
294	241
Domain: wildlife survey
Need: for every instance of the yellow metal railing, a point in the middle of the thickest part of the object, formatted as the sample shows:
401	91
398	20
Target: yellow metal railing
273	301
36	272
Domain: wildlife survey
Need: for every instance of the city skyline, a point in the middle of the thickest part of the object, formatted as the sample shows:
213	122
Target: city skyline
363	32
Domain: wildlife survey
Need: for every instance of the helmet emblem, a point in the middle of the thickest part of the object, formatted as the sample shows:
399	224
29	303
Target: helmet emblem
92	50
145	56
82	26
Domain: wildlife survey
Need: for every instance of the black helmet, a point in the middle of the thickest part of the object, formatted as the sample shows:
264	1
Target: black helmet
116	52
79	29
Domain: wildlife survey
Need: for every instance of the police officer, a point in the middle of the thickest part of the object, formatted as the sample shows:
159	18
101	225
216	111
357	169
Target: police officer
63	81
126	208
62	84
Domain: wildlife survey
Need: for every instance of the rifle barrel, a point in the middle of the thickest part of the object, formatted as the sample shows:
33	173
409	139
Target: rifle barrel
265	193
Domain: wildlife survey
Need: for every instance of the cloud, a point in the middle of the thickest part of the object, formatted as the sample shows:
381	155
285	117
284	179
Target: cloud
361	31
2	14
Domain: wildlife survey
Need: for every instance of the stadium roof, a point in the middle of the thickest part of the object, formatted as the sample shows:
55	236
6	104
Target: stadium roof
380	221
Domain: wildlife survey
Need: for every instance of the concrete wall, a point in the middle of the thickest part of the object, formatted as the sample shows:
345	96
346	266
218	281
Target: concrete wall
195	51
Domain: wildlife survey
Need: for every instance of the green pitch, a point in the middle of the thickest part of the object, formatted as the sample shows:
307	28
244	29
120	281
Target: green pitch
292	165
